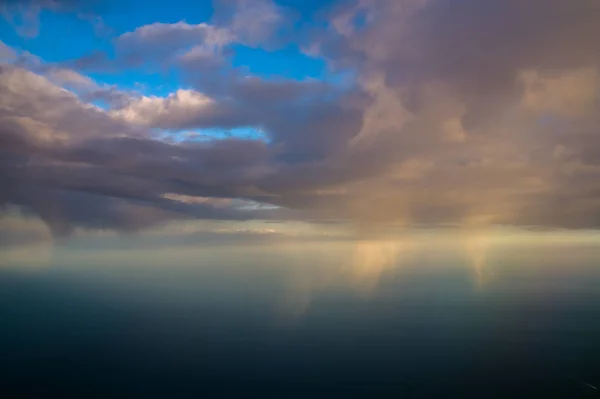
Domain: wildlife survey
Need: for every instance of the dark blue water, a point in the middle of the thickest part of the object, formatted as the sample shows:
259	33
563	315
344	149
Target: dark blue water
242	328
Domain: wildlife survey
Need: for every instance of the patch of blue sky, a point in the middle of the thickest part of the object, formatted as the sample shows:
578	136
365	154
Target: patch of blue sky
125	16
288	62
76	35
149	84
307	8
210	134
360	20
247	205
9	36
291	63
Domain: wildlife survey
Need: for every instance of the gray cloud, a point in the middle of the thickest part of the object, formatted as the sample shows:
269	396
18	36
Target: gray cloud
113	176
98	186
257	23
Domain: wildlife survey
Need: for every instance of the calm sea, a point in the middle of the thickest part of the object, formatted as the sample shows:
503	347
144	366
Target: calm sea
476	318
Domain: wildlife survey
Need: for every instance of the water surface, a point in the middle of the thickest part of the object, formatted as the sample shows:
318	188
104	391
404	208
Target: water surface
394	318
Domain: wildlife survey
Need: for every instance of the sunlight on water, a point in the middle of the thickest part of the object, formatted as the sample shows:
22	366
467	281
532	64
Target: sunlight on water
476	248
372	259
311	269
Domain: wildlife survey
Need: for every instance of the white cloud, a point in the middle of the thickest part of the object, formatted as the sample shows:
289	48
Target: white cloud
165	32
175	109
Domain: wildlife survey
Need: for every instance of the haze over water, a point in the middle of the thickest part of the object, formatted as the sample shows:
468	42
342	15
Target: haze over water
425	315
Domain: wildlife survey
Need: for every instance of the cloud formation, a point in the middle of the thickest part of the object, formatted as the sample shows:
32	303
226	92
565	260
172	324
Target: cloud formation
466	113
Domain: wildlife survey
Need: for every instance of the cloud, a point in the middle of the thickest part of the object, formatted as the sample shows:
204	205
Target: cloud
467	45
571	94
448	117
202	46
69	78
253	23
49	112
158	46
55	77
177	109
7	54
488	111
80	187
161	41
74	165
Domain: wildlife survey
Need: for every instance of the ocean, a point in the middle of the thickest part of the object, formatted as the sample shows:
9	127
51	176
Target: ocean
482	318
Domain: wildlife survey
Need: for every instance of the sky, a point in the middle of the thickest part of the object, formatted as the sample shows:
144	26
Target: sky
299	118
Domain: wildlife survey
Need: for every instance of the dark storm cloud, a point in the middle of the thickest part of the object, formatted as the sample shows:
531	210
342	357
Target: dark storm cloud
304	117
119	183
